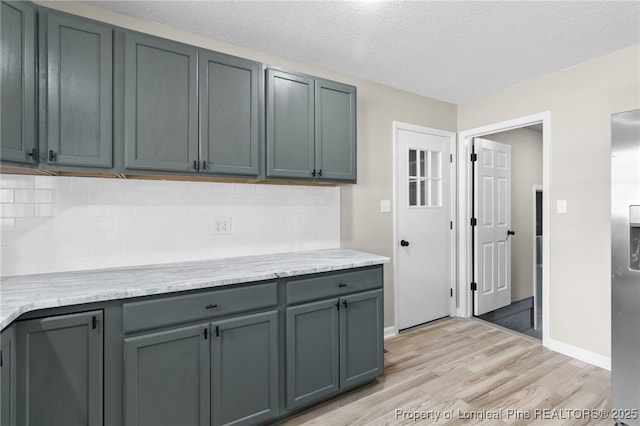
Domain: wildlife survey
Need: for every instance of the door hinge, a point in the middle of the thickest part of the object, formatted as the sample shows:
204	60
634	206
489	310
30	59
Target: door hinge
94	322
450	224
474	286
474	157
451	158
451	292
474	221
206	333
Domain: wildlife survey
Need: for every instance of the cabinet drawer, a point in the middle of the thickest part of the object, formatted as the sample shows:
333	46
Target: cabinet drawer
335	284
177	309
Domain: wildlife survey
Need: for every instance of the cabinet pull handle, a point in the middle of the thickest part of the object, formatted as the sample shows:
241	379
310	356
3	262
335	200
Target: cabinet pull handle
313	173
206	333
217	331
204	165
338	305
320	172
33	153
94	322
52	155
344	302
195	165
342	285
211	306
1	359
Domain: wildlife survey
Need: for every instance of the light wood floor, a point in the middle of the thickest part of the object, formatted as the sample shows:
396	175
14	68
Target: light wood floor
462	368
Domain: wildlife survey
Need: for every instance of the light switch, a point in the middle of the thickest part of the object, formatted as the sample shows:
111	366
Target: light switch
385	206
562	206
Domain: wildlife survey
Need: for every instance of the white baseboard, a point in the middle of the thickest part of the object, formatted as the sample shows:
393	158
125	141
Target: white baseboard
579	353
390	331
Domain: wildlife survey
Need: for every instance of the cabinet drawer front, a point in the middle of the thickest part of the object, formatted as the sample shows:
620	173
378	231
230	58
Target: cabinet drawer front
177	309
336	284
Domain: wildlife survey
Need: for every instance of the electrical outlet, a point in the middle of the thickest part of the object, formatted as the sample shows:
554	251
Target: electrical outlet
222	226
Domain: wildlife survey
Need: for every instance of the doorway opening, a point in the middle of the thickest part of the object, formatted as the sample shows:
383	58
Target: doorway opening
525	226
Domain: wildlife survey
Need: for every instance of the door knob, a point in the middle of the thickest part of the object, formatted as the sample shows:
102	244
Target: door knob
511	233
404	243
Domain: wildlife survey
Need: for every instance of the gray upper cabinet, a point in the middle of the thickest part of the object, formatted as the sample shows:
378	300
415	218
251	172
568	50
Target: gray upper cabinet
78	116
229	114
60	370
290	125
18	83
161	104
8	377
244	369
335	131
311	128
167	378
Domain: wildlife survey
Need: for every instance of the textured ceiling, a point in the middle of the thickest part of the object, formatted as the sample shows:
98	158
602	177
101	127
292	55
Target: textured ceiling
448	50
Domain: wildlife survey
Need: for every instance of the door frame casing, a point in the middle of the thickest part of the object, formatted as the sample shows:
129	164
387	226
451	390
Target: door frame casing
398	125
465	139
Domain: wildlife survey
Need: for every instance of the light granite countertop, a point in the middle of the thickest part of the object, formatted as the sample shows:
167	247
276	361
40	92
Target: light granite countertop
25	293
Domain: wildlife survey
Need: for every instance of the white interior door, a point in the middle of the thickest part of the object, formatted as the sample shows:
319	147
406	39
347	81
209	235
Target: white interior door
423	188
493	213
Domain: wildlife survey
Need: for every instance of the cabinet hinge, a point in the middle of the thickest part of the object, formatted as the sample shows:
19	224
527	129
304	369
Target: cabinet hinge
94	322
206	333
217	331
474	221
474	157
474	286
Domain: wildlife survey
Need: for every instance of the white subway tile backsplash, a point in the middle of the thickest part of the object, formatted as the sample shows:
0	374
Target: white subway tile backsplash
52	223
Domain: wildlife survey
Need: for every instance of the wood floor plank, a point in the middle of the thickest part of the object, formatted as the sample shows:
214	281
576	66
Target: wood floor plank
465	372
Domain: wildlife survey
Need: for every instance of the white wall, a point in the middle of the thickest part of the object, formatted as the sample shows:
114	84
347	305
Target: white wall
526	171
51	223
581	100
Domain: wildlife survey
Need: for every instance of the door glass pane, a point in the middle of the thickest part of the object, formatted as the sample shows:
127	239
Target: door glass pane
423	192
423	164
436	160
435	193
413	193
412	162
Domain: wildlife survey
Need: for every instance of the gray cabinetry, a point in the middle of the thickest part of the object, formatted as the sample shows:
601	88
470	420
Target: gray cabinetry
244	369
8	377
229	90
167	378
18	83
59	370
76	68
161	104
334	343
311	128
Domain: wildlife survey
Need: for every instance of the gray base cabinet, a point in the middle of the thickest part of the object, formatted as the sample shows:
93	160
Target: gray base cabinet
8	377
18	83
60	370
244	369
167	378
336	343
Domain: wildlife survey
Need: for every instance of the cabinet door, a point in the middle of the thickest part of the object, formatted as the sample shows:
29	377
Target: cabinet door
361	339
161	105
60	370
167	378
335	121
229	108
312	352
8	377
79	91
244	369
290	125
18	83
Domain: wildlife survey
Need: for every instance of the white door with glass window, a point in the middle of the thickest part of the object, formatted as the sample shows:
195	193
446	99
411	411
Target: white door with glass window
423	188
493	230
